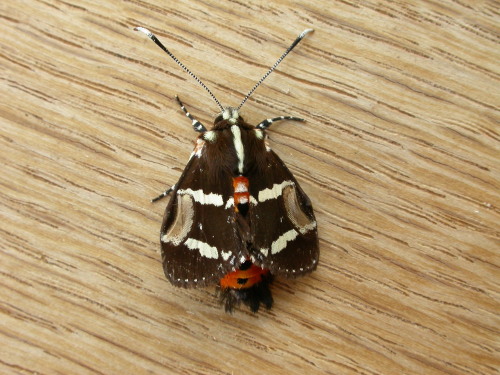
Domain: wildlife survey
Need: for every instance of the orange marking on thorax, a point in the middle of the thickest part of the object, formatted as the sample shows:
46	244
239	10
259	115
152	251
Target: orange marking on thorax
252	274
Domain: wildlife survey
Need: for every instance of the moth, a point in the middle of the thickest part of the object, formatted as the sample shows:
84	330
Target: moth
237	217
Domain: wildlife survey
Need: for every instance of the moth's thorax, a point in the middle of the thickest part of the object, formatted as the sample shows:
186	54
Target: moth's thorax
237	147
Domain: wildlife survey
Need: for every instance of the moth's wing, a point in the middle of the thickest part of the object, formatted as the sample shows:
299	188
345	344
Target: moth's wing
282	222
200	240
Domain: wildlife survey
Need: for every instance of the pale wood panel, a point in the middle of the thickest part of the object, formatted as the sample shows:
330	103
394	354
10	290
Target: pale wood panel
399	155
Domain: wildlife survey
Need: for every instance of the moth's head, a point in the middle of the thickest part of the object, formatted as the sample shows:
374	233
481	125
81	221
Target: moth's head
230	114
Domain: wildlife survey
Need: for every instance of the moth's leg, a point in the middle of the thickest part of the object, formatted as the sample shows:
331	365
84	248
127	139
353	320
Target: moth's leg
164	194
267	123
197	126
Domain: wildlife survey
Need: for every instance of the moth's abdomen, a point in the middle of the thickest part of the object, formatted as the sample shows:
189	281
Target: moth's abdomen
243	278
241	194
249	284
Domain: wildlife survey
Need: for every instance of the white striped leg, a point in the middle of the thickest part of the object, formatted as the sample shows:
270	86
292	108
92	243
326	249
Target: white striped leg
267	123
197	126
164	194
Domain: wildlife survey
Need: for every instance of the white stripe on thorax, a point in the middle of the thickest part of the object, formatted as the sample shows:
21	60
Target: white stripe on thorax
200	197
238	146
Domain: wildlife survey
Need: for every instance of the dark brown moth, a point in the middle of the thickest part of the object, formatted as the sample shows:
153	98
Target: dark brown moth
237	217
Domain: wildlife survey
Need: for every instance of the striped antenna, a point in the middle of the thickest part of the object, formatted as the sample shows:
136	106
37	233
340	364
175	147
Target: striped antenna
292	46
159	44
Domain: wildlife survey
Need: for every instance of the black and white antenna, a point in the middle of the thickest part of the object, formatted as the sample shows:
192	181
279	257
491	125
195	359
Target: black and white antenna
292	46
159	44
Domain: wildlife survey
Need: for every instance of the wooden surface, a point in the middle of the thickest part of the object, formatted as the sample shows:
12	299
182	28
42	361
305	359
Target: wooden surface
399	155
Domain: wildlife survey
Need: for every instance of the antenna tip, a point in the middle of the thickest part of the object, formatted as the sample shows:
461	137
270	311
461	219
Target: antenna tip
144	30
305	32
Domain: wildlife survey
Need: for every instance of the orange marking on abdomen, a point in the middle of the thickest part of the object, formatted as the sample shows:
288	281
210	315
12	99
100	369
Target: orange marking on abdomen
241	194
252	275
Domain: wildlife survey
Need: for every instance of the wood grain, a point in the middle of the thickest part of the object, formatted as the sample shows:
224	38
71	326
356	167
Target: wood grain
399	155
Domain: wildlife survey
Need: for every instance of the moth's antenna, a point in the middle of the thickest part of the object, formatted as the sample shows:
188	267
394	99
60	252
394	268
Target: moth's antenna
159	44
299	38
